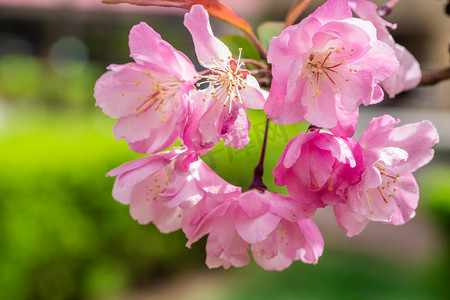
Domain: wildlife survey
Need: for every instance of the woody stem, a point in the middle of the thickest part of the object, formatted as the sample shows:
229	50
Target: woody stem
257	182
430	77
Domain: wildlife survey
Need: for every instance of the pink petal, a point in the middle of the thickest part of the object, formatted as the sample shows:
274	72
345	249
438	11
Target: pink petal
218	256
146	45
347	122
320	110
144	206
266	249
206	45
390	156
377	131
351	36
332	10
255	203
416	139
122	194
238	137
287	208
252	94
314	243
159	139
279	111
378	94
254	230
268	260
168	220
406	200
380	61
285	48
116	91
192	137
410	66
300	194
135	171
187	196
200	219
357	90
135	128
349	221
294	147
367	10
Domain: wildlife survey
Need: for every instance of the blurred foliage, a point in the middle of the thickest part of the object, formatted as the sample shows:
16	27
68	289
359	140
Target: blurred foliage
63	236
436	189
236	42
29	81
340	275
269	29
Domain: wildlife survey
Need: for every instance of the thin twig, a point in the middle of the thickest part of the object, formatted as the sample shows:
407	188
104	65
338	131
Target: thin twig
430	77
258	45
257	182
260	72
255	62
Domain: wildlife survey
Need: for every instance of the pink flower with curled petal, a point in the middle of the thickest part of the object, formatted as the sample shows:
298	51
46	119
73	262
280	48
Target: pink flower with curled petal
326	66
149	96
388	191
408	74
219	111
317	167
275	228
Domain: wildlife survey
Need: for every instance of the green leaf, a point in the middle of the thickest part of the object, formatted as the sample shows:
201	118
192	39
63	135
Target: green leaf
267	30
234	42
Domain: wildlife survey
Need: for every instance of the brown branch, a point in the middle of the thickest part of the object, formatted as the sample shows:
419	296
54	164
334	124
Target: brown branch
430	77
257	182
255	62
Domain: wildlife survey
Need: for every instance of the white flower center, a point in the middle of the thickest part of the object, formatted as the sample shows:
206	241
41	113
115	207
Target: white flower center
227	79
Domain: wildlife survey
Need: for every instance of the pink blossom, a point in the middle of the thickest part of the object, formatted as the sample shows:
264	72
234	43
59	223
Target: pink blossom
218	111
317	167
388	191
139	184
148	96
408	74
275	228
159	187
325	67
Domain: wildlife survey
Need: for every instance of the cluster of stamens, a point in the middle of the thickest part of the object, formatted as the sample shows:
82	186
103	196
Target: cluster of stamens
157	184
227	79
388	187
327	66
161	91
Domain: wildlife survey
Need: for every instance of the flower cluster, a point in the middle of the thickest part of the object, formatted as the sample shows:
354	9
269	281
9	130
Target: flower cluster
322	69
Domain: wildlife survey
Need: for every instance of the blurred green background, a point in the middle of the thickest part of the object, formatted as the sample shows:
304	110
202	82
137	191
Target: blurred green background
62	236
